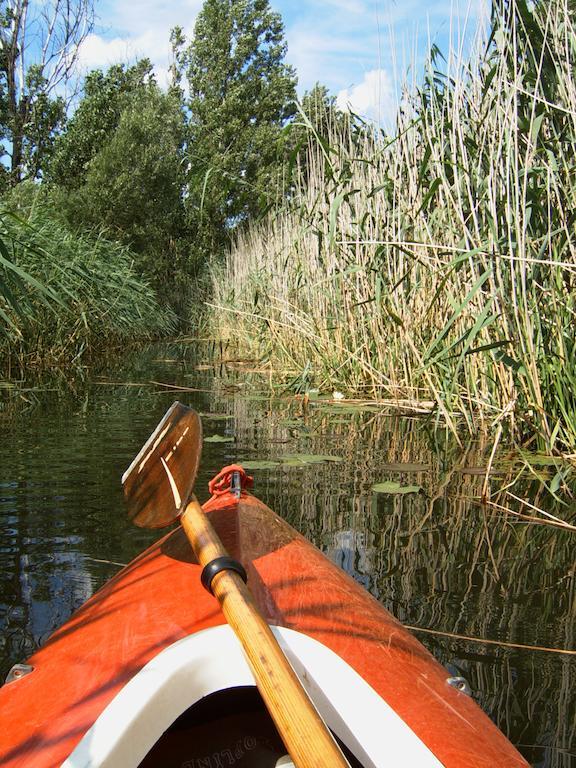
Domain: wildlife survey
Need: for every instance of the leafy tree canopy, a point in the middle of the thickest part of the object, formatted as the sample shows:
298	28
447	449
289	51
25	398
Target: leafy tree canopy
134	184
321	110
241	93
318	120
118	168
106	95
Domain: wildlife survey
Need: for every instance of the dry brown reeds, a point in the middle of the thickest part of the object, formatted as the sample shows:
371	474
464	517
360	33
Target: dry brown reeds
439	263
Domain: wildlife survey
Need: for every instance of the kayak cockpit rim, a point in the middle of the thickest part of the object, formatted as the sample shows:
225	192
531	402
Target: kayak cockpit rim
212	660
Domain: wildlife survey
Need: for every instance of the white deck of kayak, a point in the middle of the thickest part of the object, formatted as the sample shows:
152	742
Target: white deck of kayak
212	660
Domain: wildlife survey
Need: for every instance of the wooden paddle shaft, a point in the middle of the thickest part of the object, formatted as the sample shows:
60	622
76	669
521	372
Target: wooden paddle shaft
303	731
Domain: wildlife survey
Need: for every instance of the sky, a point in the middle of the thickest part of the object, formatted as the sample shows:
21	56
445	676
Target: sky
362	50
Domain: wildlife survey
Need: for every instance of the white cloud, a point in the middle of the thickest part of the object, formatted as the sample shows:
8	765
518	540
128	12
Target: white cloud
374	98
328	58
96	52
138	17
129	30
338	42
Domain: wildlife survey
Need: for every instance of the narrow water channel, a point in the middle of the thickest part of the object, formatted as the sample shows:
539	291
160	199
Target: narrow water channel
419	542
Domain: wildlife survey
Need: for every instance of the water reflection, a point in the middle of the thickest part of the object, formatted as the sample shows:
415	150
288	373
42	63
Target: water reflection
437	558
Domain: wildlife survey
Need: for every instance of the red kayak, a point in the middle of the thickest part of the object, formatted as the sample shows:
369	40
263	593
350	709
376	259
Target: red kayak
148	673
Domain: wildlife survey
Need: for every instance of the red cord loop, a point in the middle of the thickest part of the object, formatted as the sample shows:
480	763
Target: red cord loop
222	482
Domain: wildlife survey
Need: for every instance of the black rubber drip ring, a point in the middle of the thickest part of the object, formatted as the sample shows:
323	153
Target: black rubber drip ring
217	565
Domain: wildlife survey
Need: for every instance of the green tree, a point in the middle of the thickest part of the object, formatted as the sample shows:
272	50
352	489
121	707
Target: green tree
38	49
134	184
241	94
119	168
105	96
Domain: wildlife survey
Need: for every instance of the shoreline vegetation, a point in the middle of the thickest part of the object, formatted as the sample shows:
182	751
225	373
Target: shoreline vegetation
437	263
68	296
433	264
110	206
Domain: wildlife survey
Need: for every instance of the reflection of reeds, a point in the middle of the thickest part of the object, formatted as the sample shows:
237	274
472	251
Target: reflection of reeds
438	264
438	559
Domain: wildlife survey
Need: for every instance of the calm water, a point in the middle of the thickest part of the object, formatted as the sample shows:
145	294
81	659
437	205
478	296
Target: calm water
434	556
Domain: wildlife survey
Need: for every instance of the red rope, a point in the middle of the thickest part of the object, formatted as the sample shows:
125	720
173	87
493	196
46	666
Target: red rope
221	483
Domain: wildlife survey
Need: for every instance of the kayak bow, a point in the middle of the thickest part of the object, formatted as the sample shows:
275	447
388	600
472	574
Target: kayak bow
148	673
156	499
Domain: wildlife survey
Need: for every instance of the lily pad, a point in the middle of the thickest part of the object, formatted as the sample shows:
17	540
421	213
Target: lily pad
406	467
300	459
540	460
260	464
389	486
479	471
348	409
219	439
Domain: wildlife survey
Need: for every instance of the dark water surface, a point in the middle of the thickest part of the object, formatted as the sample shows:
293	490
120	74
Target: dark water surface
435	557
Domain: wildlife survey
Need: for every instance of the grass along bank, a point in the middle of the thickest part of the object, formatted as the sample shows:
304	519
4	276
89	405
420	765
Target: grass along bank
65	297
437	264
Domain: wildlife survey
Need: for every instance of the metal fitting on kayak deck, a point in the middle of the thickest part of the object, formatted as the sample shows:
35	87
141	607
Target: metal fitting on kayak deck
461	684
17	672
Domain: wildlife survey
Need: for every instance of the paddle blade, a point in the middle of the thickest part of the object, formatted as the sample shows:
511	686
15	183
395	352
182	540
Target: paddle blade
159	482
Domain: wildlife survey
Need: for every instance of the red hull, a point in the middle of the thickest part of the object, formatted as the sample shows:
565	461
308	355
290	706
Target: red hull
156	600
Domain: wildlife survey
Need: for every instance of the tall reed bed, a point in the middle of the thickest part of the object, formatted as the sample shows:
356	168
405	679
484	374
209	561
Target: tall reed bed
438	263
64	296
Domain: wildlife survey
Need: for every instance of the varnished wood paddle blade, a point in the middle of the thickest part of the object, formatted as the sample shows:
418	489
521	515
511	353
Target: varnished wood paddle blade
159	482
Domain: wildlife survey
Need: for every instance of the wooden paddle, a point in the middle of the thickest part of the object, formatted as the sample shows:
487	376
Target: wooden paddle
158	487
